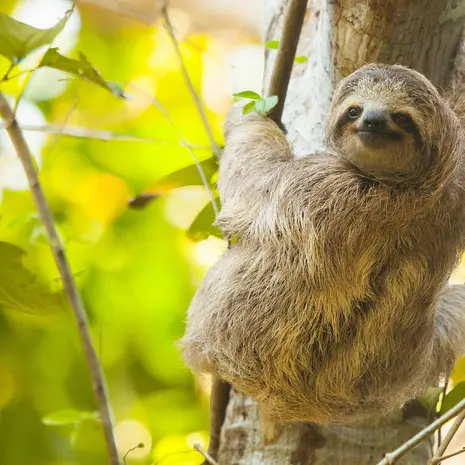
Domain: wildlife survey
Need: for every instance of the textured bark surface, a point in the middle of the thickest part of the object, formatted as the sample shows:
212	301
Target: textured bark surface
304	444
338	37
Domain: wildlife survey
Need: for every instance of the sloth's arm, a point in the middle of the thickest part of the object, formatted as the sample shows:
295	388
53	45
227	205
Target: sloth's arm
255	147
263	188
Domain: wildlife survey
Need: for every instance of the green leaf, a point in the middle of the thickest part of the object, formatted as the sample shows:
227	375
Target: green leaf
429	398
247	94
188	176
265	106
249	108
68	417
202	226
453	397
17	39
273	44
301	59
18	287
81	68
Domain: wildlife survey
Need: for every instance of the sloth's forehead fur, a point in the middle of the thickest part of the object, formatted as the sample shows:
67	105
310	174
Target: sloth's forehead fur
388	83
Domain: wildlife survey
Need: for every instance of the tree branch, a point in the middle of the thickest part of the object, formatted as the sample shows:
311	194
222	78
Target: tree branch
100	135
392	457
279	83
448	456
219	399
438	456
45	214
208	458
169	28
443	396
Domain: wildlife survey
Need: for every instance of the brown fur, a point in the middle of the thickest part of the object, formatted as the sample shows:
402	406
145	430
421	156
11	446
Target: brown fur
326	309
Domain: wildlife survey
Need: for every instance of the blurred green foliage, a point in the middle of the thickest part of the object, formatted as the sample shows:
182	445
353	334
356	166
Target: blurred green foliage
136	268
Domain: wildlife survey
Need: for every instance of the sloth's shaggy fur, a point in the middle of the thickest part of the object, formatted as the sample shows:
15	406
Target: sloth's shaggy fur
328	308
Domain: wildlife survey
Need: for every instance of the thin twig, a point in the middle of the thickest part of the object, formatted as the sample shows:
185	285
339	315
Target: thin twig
195	96
7	77
448	456
392	457
185	143
447	440
101	135
443	396
139	446
8	71
293	22
207	456
30	75
45	214
62	126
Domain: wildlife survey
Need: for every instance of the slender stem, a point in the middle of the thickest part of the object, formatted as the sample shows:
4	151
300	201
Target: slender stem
293	22
132	449
45	214
195	95
392	457
208	458
443	396
100	135
448	456
30	74
8	71
186	144
447	440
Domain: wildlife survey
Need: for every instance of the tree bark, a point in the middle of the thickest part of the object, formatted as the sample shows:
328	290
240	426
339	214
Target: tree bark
338	37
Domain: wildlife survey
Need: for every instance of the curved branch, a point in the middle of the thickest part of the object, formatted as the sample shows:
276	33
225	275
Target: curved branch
96	373
392	457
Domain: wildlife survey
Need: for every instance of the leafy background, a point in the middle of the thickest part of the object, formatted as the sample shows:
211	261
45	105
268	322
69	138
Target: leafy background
137	268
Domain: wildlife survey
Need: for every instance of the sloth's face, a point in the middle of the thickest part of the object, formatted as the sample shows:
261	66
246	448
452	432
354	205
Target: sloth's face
379	121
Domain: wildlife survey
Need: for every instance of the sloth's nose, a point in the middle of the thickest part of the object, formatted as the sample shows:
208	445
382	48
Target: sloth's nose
374	120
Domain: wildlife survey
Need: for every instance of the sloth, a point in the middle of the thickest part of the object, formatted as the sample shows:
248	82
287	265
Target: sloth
332	306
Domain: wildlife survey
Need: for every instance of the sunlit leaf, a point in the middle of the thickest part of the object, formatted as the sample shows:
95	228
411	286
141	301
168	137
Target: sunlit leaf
454	397
429	398
301	59
202	226
188	176
17	39
265	106
249	108
247	94
19	289
458	373
81	68
68	417
273	44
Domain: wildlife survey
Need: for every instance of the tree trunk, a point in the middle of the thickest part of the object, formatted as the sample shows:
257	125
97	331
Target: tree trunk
338	37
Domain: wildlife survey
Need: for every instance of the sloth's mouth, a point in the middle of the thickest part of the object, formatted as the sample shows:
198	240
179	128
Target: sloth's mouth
378	136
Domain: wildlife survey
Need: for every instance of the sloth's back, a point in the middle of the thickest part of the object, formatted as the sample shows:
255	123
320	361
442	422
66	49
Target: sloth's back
263	326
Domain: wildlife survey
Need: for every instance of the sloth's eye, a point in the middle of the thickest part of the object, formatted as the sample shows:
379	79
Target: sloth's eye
402	120
354	112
